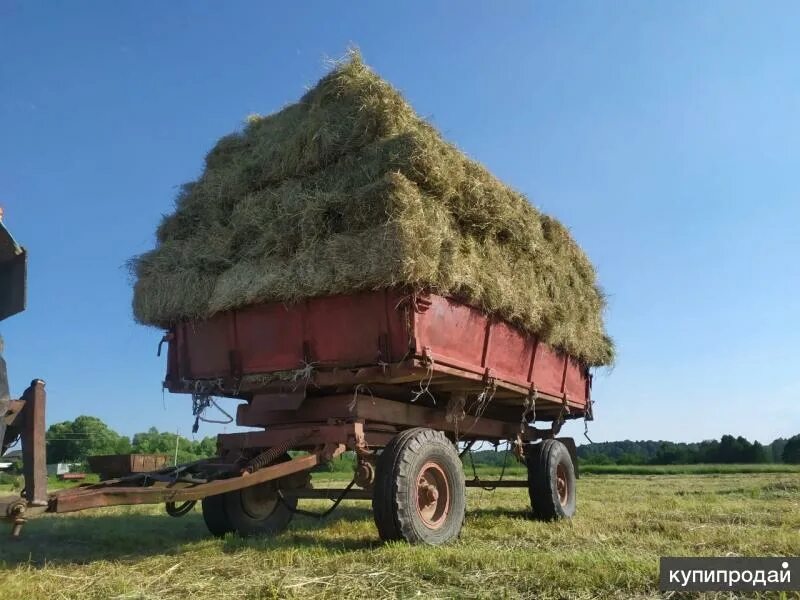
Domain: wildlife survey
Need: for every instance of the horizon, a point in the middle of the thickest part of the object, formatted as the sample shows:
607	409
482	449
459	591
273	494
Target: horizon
668	145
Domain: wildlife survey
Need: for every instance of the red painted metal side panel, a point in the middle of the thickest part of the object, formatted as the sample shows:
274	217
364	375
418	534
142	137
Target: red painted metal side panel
548	370
340	331
510	353
343	331
207	346
270	338
368	328
576	381
399	328
454	333
464	337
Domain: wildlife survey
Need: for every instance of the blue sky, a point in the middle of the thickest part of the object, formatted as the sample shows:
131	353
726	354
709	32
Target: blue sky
666	135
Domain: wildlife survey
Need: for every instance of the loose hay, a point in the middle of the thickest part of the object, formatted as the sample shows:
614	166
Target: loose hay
349	190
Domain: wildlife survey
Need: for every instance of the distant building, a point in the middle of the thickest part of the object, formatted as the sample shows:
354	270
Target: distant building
60	468
11	461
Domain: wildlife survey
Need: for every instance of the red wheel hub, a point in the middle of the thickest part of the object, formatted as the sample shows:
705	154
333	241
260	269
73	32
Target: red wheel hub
562	485
433	495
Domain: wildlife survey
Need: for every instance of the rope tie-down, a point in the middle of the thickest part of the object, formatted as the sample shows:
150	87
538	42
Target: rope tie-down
456	411
483	399
304	375
202	402
425	384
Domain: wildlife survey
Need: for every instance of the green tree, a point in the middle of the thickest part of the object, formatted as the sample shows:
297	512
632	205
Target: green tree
757	454
73	441
791	451
776	450
154	441
631	458
670	453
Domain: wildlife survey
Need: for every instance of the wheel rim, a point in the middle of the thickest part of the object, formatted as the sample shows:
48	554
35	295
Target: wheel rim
259	501
562	485
433	495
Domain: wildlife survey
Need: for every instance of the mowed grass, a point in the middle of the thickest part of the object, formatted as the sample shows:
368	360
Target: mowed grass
609	550
700	469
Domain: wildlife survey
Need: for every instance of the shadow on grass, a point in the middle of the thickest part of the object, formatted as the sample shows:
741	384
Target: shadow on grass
509	513
81	539
85	539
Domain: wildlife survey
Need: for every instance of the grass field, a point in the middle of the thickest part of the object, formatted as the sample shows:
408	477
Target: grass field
610	549
687	469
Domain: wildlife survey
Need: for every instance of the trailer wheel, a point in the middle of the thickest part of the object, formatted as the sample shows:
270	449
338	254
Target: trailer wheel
257	510
419	494
215	515
551	481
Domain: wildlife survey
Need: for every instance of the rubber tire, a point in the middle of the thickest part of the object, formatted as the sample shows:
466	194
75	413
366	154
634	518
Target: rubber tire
245	525
542	460
224	513
278	520
215	515
394	501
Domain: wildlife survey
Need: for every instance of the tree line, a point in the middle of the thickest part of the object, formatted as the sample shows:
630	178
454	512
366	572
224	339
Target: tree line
74	441
727	450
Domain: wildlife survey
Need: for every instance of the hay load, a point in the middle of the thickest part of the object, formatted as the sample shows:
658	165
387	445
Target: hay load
349	190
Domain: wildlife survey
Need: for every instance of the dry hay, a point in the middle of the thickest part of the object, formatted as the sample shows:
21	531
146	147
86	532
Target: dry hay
350	190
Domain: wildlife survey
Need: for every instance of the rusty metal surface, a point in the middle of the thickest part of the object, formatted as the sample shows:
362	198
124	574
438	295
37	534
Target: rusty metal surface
316	412
433	495
375	337
18	511
13	412
109	494
505	483
119	465
34	467
282	400
298	435
13	422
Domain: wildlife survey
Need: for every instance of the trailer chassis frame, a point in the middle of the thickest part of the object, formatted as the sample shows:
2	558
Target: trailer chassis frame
324	426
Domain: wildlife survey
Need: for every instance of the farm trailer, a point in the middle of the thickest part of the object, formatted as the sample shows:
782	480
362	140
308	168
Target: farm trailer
395	377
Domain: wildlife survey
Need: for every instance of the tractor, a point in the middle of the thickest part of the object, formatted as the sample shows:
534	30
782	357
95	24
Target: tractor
13	267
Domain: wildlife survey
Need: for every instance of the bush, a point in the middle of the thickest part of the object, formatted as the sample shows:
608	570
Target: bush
15	481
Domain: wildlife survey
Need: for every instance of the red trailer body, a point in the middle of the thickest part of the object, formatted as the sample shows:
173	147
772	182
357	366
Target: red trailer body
404	381
387	337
